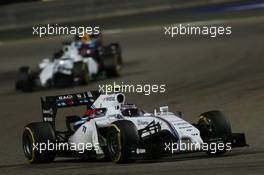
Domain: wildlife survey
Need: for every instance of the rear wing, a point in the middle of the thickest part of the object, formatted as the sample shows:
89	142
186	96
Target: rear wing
50	104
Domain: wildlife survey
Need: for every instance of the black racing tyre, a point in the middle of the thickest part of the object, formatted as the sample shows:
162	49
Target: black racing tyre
86	78
122	138
81	73
35	134
24	80
113	67
117	50
214	125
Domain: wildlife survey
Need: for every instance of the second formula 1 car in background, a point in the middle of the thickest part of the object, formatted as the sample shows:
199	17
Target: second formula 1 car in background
72	65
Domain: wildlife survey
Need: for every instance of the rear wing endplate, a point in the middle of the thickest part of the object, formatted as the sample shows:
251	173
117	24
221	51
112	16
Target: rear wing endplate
50	104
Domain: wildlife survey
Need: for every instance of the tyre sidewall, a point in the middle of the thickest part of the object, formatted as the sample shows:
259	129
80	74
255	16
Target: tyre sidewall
39	133
127	138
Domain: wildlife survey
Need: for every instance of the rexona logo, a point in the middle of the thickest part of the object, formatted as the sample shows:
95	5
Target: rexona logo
64	97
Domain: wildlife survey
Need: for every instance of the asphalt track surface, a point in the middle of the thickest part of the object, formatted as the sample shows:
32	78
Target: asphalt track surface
200	74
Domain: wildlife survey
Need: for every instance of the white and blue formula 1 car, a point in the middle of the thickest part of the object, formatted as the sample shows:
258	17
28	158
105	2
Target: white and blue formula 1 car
113	129
70	67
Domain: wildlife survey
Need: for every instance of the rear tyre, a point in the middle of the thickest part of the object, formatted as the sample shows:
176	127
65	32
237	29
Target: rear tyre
112	60
214	127
117	50
35	134
81	73
114	66
122	138
24	80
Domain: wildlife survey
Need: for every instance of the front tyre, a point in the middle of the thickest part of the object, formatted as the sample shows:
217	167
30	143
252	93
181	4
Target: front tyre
36	136
215	128
122	138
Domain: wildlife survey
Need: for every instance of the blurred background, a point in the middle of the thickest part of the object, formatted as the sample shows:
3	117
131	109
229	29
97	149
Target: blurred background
201	73
23	14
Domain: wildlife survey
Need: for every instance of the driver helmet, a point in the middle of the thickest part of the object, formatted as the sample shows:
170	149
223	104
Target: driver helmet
85	38
129	110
